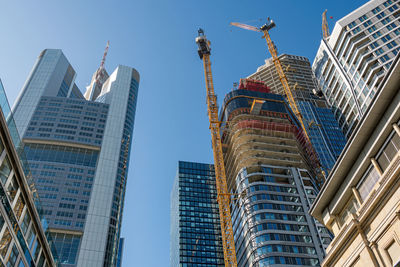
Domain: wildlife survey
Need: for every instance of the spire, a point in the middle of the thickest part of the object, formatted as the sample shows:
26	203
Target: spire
101	68
104	55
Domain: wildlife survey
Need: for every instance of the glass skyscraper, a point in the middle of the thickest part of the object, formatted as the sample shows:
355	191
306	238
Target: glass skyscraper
271	167
195	228
78	148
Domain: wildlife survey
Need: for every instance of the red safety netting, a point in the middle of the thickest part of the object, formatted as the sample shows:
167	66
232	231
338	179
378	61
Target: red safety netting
254	85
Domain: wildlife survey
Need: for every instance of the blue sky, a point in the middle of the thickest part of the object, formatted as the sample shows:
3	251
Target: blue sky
157	38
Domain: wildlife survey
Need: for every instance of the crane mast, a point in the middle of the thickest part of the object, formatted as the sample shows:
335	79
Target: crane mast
223	196
282	76
325	28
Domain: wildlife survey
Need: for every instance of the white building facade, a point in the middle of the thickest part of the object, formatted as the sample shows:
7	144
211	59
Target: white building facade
351	63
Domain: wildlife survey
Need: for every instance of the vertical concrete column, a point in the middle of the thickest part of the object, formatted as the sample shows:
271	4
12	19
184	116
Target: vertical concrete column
357	195
396	128
377	167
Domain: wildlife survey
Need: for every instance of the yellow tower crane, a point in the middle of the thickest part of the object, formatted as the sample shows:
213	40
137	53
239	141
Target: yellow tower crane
282	76
278	65
223	196
325	28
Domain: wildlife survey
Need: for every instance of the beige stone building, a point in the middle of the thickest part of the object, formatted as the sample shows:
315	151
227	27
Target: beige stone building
360	201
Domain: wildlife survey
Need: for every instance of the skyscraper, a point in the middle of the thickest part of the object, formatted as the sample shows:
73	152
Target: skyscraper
351	63
270	168
195	227
22	229
322	127
79	152
360	201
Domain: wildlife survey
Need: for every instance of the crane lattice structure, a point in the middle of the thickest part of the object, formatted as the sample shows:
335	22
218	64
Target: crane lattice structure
325	28
278	65
223	196
282	76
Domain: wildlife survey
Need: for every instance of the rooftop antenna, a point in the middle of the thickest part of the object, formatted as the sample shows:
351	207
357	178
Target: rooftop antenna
99	71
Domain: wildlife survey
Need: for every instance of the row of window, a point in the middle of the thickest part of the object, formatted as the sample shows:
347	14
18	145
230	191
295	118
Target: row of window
284	248
384	157
280	226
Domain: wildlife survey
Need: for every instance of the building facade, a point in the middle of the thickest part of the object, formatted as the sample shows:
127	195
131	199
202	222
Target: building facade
78	149
322	127
351	63
195	227
270	167
360	201
23	240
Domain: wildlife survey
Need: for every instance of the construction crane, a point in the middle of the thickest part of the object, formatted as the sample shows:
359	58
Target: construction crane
278	65
223	196
325	28
282	76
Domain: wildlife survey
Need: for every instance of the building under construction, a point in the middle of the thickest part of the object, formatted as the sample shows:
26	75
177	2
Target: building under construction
322	127
270	168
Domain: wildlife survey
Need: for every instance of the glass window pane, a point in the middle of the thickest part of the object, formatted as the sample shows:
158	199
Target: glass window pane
5	170
371	178
5	242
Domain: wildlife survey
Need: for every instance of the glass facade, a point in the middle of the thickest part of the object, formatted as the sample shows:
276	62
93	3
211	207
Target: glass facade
22	232
78	149
195	228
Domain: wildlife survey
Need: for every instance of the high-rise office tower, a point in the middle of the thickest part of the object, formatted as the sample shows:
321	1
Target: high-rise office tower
352	61
22	236
270	168
195	227
78	148
360	201
322	127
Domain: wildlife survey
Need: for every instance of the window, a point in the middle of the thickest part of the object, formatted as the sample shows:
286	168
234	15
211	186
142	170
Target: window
367	23
376	10
351	207
6	240
62	154
384	58
25	222
386	38
351	25
12	259
374	45
369	180
362	18
356	30
12	188
68	247
393	8
379	51
389	151
380	15
391	26
391	44
377	34
386	21
5	170
388	3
